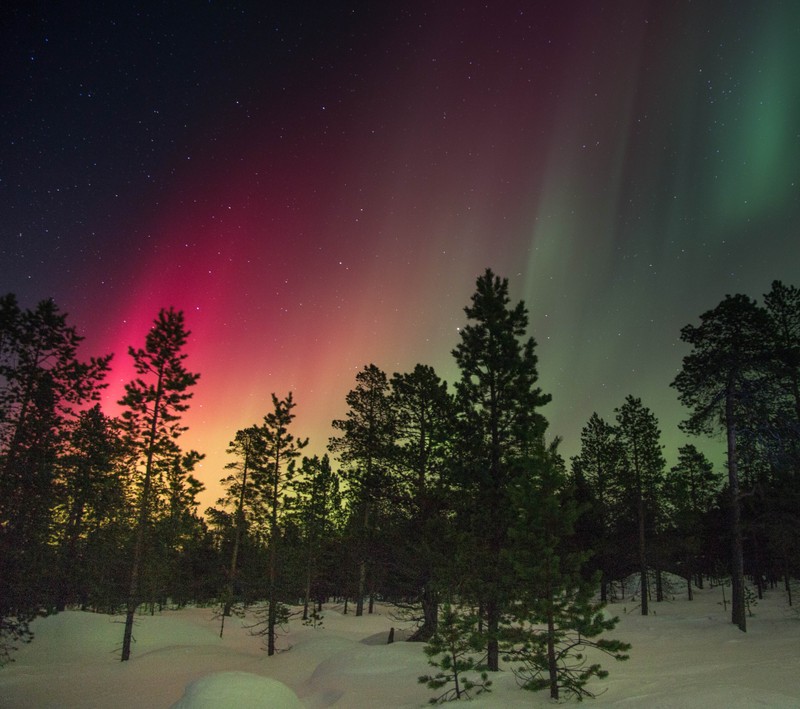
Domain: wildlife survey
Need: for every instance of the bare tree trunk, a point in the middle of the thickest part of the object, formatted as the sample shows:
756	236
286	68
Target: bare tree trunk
309	573
492	629
454	665
69	546
430	614
237	537
144	513
272	621
738	614
138	553
272	612
362	577
133	589
362	565
552	665
788	586
307	594
131	604
645	586
603	585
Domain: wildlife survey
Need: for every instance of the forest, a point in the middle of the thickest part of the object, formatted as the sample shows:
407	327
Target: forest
448	500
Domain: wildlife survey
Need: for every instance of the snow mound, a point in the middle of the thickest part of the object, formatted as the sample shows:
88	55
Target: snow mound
242	690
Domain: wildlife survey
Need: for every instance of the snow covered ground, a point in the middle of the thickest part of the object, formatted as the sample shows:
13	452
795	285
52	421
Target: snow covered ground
686	654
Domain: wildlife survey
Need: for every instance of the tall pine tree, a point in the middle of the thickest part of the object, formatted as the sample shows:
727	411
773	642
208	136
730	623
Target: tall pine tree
597	469
281	449
721	383
424	420
499	426
639	439
242	495
316	504
365	448
690	490
152	407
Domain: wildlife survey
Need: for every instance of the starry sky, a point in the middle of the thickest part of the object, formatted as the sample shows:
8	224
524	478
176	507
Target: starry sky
317	186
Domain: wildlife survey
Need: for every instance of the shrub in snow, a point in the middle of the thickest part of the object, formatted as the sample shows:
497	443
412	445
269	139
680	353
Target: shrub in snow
314	619
13	631
750	600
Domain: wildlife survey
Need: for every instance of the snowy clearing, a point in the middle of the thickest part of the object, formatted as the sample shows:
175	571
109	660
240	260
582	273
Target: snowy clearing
685	654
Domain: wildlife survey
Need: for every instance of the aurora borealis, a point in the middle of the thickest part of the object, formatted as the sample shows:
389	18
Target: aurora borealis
317	185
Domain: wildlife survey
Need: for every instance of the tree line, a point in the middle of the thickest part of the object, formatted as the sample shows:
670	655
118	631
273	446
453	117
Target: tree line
447	501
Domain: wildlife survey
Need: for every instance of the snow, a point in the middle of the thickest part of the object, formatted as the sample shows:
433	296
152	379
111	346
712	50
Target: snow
686	654
237	689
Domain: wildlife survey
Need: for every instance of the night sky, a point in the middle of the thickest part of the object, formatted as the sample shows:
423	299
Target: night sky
318	185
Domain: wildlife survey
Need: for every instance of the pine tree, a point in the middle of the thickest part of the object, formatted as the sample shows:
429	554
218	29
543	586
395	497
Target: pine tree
556	618
690	490
424	414
639	439
179	531
453	649
722	384
317	500
281	449
499	425
242	495
43	387
598	467
92	495
782	305
153	404
781	507
364	448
